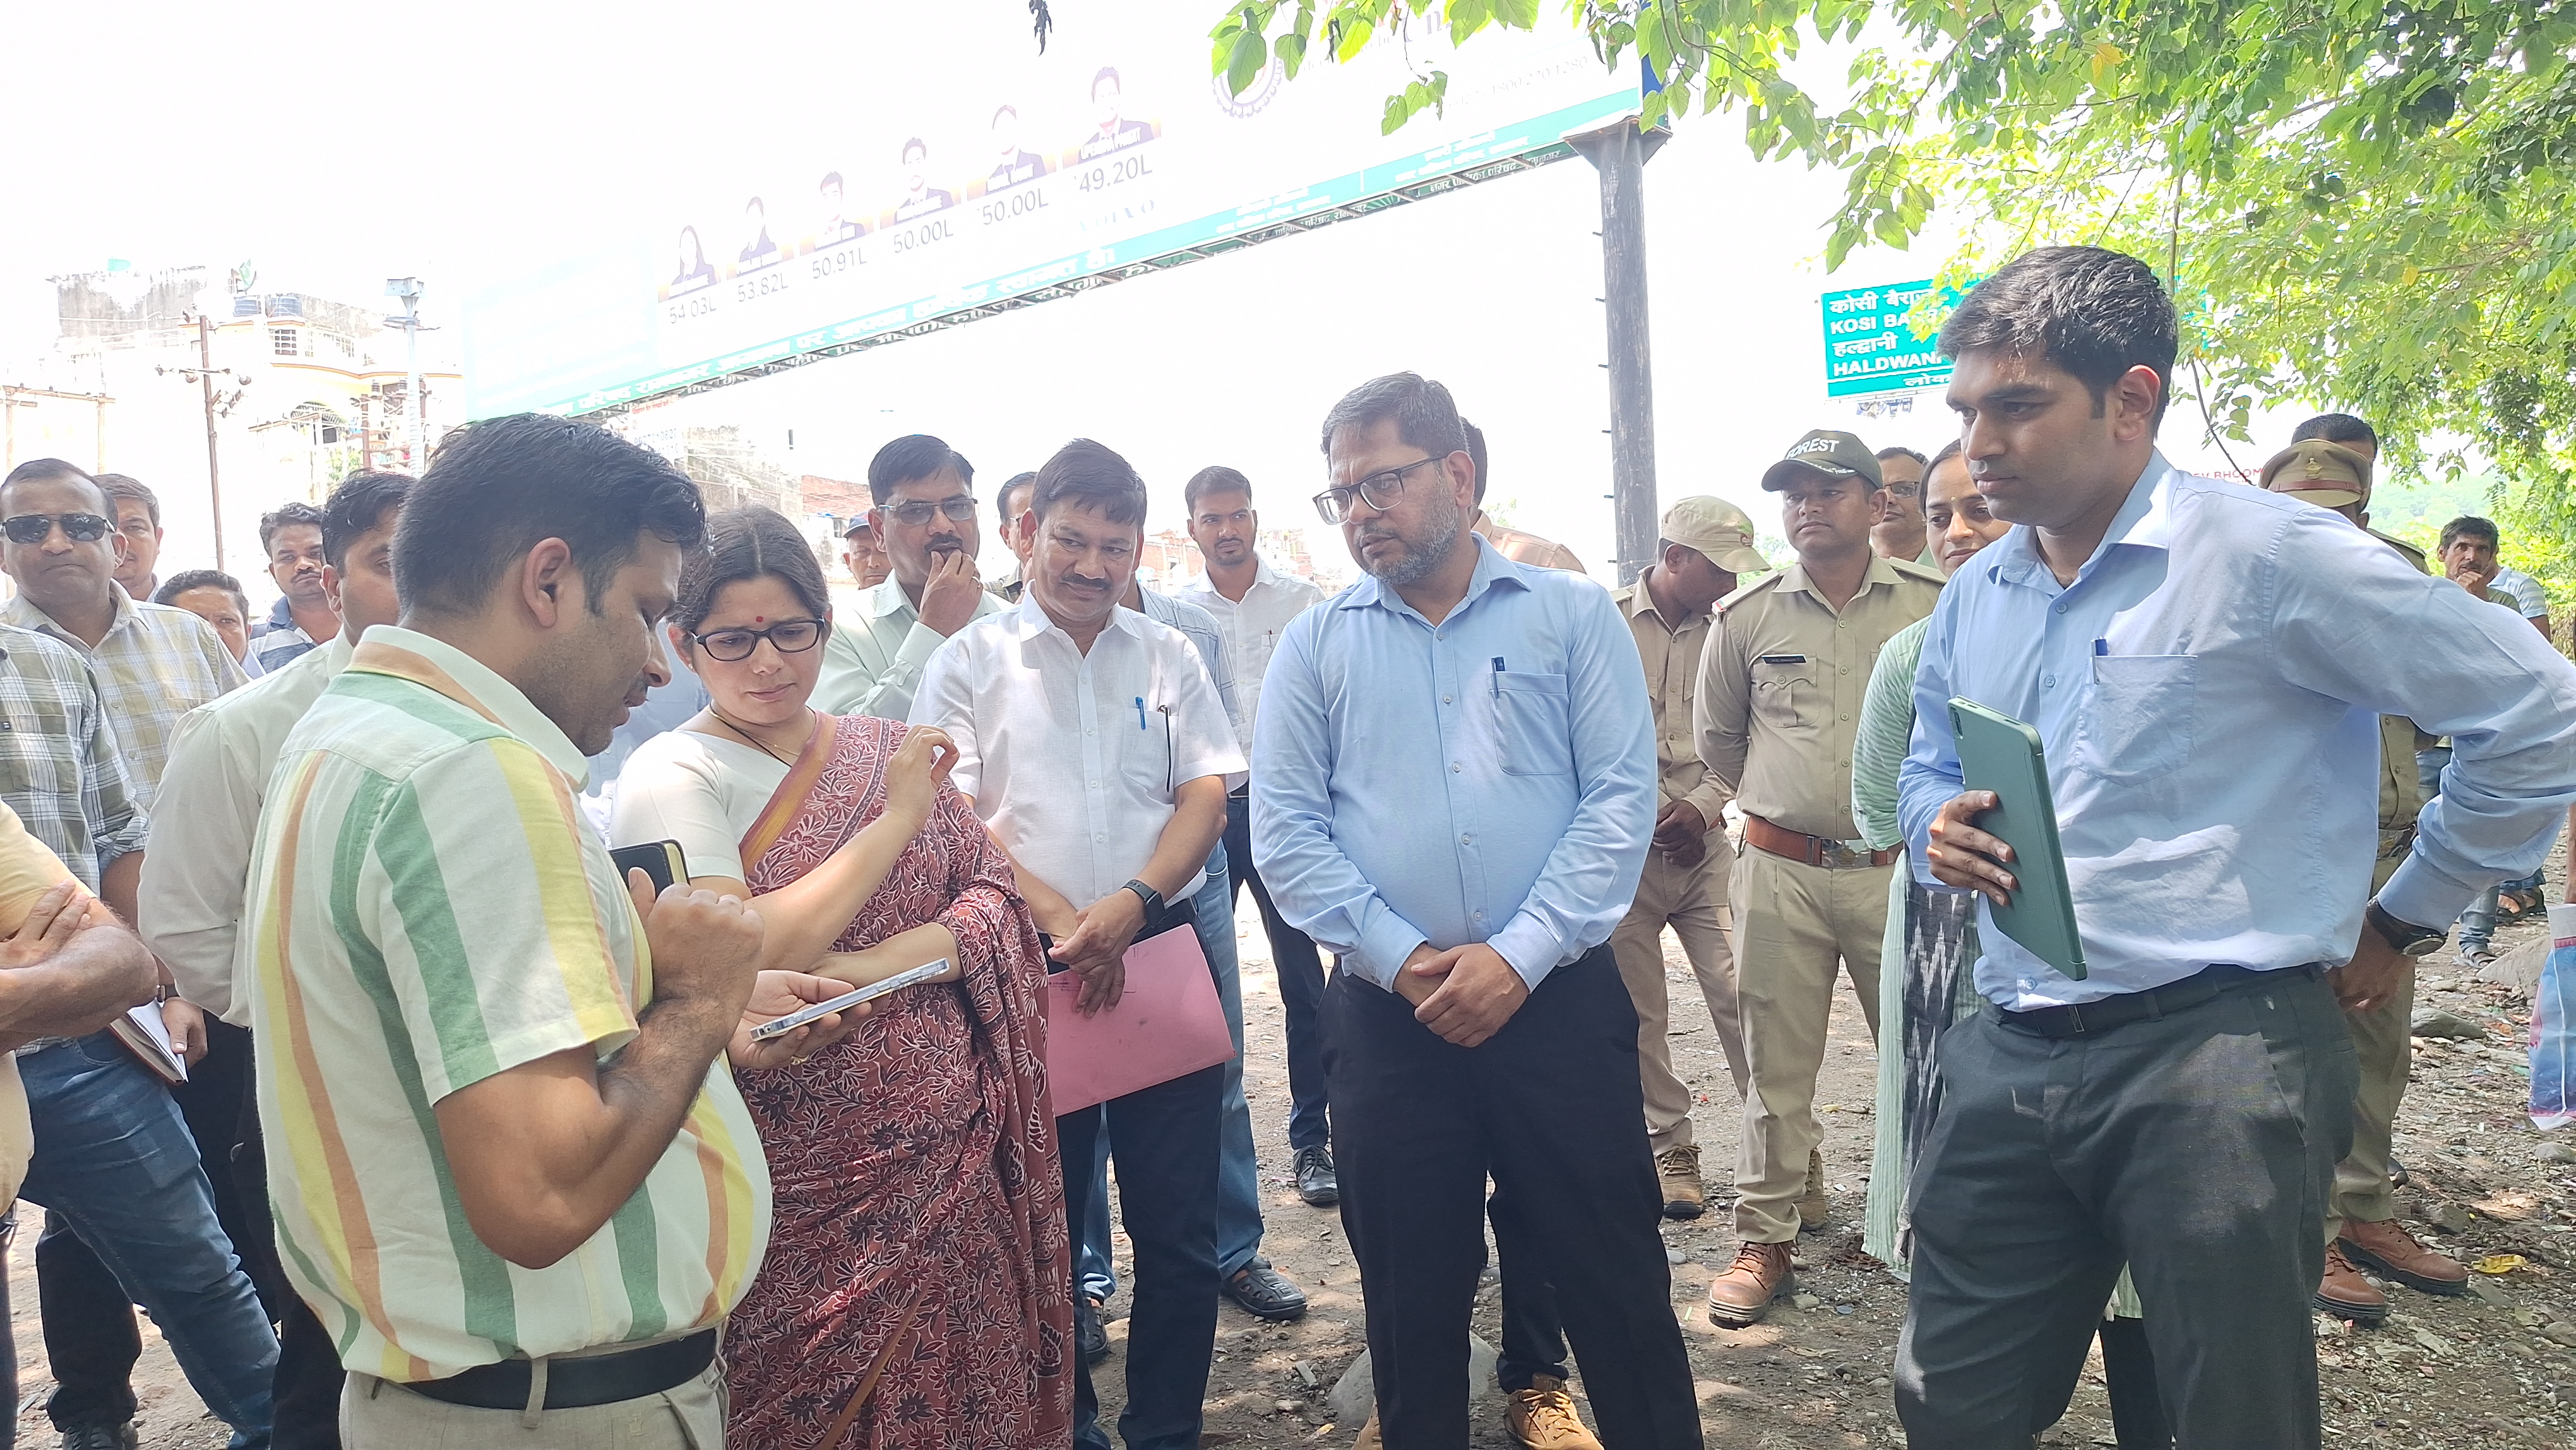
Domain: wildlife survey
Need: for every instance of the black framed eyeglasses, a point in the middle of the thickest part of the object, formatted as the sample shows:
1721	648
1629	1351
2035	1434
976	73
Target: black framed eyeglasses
1377	490
788	636
36	528
913	513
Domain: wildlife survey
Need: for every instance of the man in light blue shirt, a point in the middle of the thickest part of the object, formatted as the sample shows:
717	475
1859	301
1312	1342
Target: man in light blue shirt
2205	663
1454	785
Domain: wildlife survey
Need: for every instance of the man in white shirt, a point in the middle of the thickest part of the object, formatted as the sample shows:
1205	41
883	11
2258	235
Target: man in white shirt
924	519
1108	821
1252	604
197	871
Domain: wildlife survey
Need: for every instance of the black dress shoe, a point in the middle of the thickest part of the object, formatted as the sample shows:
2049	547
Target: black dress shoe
1260	1291
1090	1336
1316	1181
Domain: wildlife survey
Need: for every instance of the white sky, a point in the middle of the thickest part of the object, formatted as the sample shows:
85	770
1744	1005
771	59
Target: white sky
338	146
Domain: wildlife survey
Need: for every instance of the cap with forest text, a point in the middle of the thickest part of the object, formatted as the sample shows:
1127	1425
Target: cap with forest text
1829	453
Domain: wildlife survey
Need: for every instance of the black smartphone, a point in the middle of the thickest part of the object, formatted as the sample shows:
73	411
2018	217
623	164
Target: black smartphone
661	860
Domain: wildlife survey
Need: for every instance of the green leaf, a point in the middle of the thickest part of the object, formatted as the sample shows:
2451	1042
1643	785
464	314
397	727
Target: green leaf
1251	53
1291	50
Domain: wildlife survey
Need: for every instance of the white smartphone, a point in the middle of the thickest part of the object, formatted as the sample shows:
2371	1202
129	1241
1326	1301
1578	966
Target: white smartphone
781	1026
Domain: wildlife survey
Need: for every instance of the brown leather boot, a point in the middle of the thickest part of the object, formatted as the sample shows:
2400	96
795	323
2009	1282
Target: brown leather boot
1744	1293
2345	1294
2387	1249
1543	1417
1370	1437
1813	1206
1677	1169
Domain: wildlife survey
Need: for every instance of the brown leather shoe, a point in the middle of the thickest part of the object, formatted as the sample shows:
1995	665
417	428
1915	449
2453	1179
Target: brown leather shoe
1543	1417
1744	1293
1370	1436
2387	1249
1813	1206
2345	1294
1677	1169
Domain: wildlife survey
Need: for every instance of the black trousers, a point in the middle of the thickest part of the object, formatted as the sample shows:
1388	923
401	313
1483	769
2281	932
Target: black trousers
1301	988
2198	1147
1549	1107
305	1403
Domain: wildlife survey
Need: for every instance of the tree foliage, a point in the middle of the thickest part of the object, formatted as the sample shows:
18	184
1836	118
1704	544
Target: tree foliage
2368	205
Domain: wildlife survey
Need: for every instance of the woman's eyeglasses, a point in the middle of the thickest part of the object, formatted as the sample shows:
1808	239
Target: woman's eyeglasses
1378	491
36	528
787	636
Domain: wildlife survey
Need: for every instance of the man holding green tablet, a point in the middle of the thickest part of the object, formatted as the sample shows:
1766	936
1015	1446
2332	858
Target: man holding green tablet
2204	663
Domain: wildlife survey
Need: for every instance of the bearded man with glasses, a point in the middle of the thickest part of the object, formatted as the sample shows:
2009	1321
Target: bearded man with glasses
924	519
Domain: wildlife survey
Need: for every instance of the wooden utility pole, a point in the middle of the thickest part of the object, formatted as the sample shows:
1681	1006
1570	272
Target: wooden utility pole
214	468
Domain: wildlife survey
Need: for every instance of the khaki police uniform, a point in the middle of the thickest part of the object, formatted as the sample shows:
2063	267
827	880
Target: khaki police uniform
1691	900
1776	713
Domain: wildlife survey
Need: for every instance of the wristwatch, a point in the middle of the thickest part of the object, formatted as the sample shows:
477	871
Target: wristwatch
1153	899
2409	939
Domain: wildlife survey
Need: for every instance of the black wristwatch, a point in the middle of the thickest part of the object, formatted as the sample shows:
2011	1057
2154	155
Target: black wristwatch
2409	939
1153	899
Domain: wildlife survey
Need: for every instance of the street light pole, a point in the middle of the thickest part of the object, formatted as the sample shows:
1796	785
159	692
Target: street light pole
409	289
214	468
1619	151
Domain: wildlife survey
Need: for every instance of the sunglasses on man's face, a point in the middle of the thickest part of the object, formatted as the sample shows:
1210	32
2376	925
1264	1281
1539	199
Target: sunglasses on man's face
913	513
36	528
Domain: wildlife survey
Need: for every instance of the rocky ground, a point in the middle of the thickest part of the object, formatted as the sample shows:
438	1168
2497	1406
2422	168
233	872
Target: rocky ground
2493	1369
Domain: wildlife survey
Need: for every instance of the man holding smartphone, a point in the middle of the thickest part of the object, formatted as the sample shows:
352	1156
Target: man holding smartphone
1092	741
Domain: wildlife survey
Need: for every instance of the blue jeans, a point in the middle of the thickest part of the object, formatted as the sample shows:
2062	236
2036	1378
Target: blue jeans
115	1163
1238	1192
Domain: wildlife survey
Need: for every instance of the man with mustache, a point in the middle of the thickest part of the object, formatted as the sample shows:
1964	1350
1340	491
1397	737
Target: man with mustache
924	520
1779	697
1093	741
1454	792
303	618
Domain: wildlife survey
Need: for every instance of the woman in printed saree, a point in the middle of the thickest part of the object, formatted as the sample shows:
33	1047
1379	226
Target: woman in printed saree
917	1289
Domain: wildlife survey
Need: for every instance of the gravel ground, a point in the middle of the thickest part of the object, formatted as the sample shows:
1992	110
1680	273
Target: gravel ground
2494	1369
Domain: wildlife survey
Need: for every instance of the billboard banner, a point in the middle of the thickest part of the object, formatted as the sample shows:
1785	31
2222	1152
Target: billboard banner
1870	344
935	189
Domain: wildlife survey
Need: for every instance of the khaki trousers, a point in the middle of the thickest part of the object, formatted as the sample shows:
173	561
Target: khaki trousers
1794	923
2384	1054
381	1415
1692	901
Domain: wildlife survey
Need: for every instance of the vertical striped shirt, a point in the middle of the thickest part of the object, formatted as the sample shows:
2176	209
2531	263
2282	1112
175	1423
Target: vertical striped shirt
426	909
154	664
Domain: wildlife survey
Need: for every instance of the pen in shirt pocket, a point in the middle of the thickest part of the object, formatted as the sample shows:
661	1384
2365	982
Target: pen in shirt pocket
1140	712
1498	677
2101	647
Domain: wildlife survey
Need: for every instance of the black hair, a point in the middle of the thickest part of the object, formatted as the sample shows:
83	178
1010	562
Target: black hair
1084	472
178	584
2471	525
1216	478
355	507
2094	312
1948	451
286	516
118	485
757	202
1001	501
1106	73
1476	455
997	114
497	488
749	543
1424	414
37	470
912	144
914	455
831	179
1920	461
2336	428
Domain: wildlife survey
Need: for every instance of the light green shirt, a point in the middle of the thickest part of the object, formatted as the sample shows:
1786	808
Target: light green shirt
872	663
1886	731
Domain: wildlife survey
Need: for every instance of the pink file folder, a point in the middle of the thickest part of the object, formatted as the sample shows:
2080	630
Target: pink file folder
1168	1023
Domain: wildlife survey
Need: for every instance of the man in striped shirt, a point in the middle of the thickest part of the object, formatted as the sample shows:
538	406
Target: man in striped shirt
510	1173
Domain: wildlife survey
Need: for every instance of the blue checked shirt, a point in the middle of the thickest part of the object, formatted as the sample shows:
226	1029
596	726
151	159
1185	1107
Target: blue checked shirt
1491	779
58	758
2208	692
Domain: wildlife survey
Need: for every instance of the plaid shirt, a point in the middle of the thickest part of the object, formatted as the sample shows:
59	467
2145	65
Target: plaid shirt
58	758
155	664
278	640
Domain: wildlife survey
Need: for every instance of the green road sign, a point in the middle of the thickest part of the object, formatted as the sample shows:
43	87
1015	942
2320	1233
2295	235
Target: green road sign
1870	344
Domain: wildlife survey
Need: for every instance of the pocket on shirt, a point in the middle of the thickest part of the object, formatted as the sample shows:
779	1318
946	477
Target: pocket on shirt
2139	723
1780	690
1534	718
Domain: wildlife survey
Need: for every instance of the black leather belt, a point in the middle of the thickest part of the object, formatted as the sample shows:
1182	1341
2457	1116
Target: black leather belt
572	1384
2085	1018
